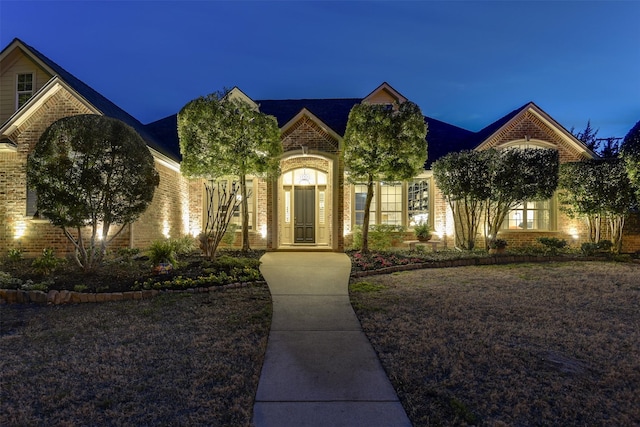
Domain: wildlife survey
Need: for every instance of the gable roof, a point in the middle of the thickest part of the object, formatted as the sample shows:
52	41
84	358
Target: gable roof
101	103
333	112
484	136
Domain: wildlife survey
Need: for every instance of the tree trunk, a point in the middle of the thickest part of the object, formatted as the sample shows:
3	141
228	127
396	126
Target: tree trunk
245	214
365	220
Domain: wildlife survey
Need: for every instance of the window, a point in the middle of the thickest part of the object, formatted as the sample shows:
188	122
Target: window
237	218
32	202
24	89
361	199
387	196
529	216
391	203
418	201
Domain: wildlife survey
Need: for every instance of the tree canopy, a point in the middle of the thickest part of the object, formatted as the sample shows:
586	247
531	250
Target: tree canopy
463	177
91	171
383	143
596	190
494	182
517	175
588	136
223	136
630	152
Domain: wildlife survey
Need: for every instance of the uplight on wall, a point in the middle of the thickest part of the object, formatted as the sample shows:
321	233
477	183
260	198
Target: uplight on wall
574	233
263	231
19	230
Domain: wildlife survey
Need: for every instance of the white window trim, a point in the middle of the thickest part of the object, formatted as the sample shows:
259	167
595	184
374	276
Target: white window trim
18	93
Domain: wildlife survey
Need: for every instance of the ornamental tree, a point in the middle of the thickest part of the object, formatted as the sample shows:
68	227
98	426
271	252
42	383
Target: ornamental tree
463	179
630	153
91	171
517	175
383	144
597	189
223	136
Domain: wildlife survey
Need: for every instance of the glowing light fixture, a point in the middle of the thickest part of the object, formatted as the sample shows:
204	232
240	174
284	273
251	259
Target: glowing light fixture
20	230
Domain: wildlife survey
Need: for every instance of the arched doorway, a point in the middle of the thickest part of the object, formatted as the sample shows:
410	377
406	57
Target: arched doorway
305	208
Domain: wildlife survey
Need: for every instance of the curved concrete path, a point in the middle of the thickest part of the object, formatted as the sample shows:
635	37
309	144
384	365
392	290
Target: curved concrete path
319	369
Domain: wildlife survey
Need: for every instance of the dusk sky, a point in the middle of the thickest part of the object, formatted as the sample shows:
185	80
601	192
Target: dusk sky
465	63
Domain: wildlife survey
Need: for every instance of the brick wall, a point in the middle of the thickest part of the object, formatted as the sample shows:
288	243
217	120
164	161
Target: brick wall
171	204
574	231
308	133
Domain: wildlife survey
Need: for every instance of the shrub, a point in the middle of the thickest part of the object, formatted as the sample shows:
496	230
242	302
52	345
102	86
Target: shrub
552	244
183	245
126	255
230	235
14	255
47	263
30	286
381	236
497	244
162	251
9	282
592	248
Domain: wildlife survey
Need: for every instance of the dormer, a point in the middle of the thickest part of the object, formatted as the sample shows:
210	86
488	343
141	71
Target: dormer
384	94
237	94
21	76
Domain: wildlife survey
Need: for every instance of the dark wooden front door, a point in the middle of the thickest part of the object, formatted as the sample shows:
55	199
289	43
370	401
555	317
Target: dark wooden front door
305	209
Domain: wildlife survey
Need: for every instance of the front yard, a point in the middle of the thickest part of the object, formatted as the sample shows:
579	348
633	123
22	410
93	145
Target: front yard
516	344
176	359
519	344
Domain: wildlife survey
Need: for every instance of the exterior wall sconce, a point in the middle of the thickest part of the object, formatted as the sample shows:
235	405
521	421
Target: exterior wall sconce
305	150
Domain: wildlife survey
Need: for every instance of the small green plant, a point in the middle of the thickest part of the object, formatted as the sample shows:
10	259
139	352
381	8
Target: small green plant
30	286
381	236
47	263
162	252
182	245
80	288
9	282
230	235
422	231
497	244
552	245
14	255
589	248
126	255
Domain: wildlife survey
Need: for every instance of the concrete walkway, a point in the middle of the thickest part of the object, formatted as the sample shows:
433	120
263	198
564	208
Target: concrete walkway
319	369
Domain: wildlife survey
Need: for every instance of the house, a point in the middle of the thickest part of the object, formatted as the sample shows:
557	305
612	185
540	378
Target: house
310	206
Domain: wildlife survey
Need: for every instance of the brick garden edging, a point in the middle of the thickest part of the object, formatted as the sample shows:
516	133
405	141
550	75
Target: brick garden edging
492	260
53	297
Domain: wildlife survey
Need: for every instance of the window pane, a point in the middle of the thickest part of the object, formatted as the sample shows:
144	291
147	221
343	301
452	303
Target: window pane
391	203
360	191
418	201
536	216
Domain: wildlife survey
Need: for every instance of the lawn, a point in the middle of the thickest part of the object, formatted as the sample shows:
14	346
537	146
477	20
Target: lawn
177	359
520	344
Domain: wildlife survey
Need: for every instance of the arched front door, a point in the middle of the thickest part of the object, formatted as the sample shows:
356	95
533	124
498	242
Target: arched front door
304	194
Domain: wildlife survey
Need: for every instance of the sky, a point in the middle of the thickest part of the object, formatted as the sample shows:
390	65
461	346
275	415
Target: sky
465	63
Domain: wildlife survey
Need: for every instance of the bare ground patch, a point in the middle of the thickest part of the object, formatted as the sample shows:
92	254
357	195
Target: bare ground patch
532	344
178	359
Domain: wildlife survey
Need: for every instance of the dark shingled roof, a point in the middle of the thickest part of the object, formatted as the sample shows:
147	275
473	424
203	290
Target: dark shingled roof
166	130
107	107
333	112
486	132
162	135
443	138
